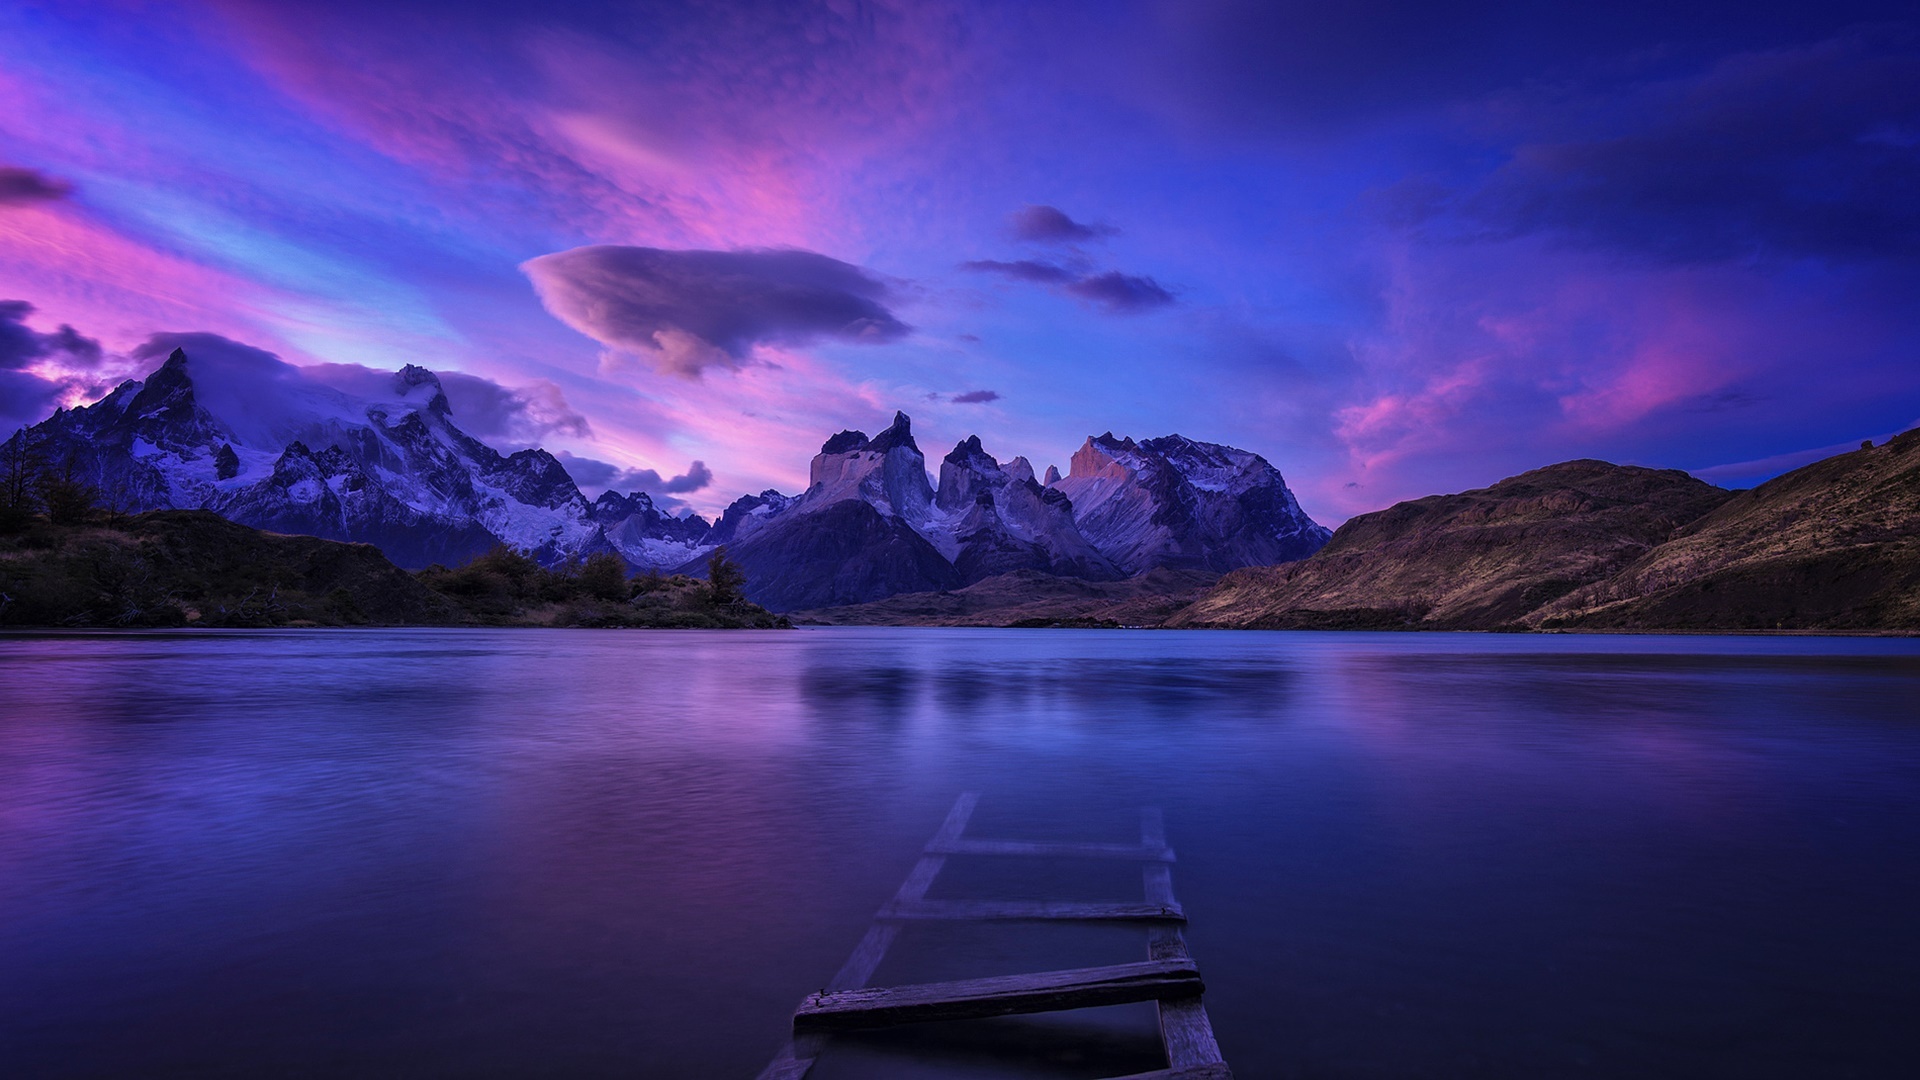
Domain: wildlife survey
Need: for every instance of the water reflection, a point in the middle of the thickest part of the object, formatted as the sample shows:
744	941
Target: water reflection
583	853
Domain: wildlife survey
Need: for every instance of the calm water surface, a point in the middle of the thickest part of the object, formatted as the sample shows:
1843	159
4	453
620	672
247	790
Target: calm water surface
506	853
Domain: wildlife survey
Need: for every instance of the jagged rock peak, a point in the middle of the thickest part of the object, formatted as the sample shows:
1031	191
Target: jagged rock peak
1096	458
844	443
969	452
413	375
168	384
1053	475
900	434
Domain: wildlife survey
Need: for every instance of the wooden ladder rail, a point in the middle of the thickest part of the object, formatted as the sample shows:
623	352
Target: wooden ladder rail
1168	977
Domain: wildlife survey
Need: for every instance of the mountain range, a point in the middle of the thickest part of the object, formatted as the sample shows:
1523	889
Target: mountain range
392	468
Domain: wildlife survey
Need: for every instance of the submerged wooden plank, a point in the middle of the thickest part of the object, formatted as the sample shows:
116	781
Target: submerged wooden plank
1031	911
1184	1026
1000	995
879	937
796	1058
1188	1034
1045	849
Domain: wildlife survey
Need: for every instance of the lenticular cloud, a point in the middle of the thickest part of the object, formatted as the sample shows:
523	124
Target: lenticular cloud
686	311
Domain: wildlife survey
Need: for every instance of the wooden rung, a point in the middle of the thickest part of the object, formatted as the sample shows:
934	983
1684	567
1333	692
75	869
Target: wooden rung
1000	995
1031	911
1135	852
1215	1071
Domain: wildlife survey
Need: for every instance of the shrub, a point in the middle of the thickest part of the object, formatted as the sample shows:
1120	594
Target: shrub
725	579
603	576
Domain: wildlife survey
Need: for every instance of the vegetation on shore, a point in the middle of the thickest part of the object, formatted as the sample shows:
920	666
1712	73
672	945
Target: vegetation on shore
196	568
170	568
506	588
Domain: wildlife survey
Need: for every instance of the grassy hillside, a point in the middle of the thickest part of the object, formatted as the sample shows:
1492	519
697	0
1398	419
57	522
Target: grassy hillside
1832	546
1481	559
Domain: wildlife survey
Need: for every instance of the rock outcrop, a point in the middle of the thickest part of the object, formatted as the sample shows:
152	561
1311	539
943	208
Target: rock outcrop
1189	505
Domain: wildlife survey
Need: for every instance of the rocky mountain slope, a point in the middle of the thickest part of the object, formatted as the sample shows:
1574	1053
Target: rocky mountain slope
388	465
1482	559
870	525
393	470
1832	546
1190	505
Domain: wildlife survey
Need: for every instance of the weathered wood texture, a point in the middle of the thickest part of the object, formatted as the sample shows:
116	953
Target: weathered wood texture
1168	976
1047	850
999	995
1184	1026
1031	911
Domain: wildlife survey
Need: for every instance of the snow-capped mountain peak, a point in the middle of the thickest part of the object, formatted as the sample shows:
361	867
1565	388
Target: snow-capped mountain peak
381	460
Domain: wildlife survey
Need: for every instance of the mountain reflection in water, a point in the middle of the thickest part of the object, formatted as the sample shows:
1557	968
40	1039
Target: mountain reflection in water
435	853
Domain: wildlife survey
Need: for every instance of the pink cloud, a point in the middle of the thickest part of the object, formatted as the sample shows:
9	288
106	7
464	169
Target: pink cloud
709	128
80	271
1498	357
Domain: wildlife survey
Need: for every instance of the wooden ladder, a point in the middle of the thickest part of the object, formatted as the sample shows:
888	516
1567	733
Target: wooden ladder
1167	977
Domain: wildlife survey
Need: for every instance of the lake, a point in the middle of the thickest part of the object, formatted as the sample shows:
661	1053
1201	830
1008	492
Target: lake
581	853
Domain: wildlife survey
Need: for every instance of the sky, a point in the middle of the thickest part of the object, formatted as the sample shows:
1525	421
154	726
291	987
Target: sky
1396	248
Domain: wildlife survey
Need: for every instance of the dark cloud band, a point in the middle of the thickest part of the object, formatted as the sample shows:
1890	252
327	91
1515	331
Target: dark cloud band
22	187
1051	225
27	396
687	311
1113	291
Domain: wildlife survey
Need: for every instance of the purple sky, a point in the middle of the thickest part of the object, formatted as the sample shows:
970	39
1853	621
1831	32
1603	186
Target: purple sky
1397	248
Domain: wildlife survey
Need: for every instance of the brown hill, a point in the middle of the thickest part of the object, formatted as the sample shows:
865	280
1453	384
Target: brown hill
1029	598
1481	559
1832	546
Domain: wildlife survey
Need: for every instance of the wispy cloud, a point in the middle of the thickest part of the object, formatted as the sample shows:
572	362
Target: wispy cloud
1111	291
